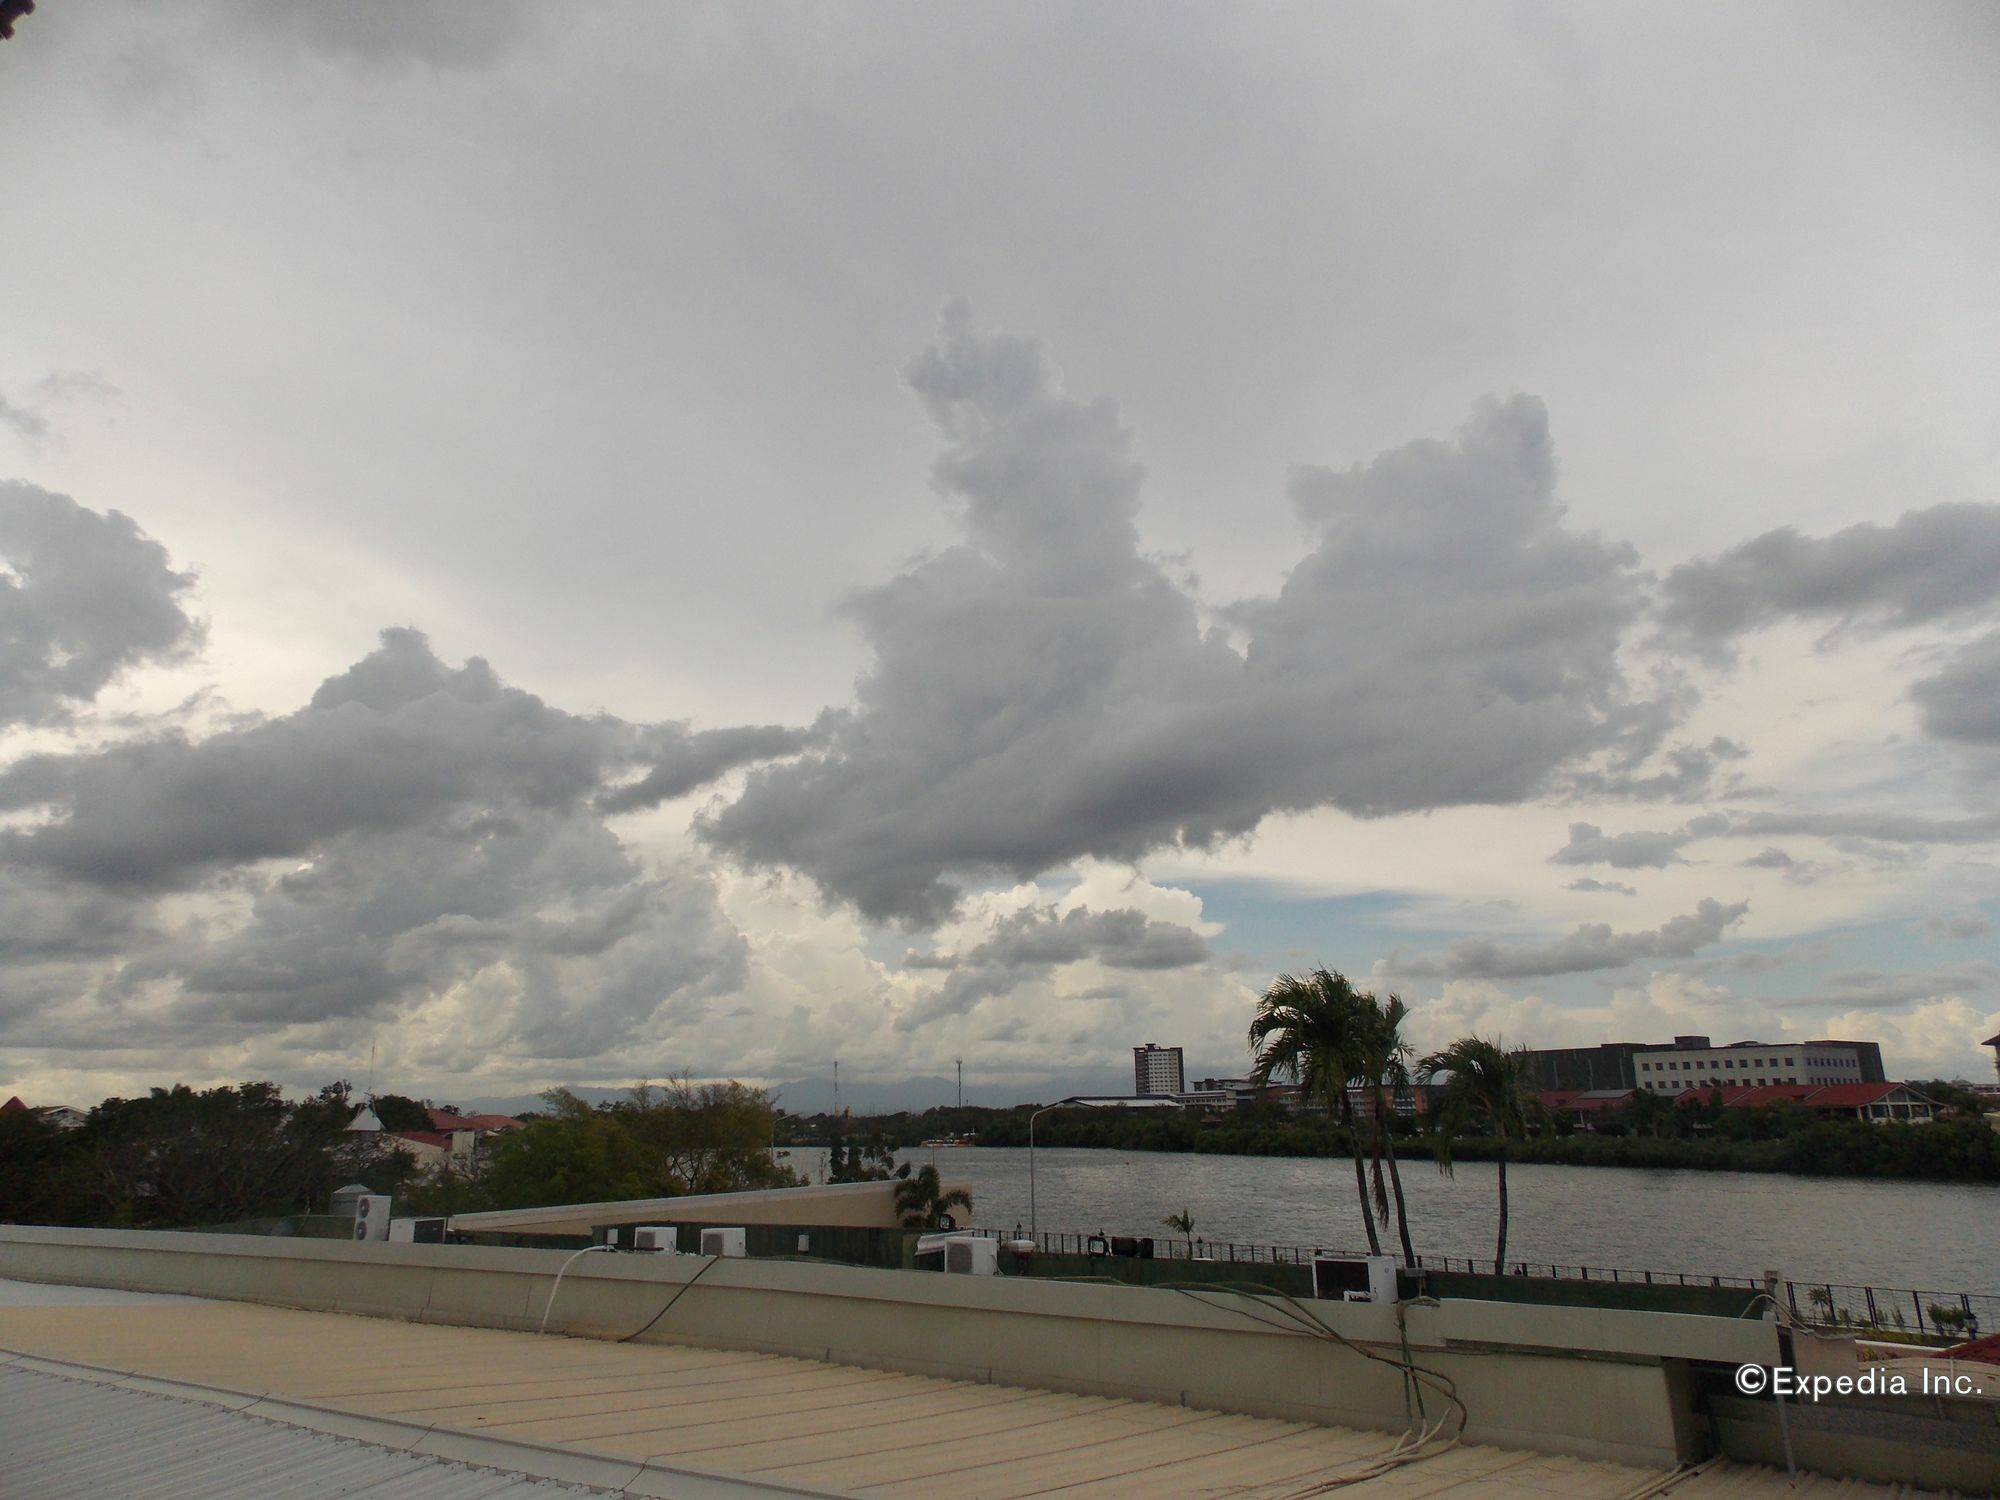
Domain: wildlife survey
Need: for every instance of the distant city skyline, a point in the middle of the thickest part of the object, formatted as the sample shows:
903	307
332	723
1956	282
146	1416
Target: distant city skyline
643	541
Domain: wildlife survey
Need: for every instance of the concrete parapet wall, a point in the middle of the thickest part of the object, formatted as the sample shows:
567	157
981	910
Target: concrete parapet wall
1595	1383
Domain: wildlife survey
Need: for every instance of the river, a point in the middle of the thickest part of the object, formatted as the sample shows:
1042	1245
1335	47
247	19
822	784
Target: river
1929	1235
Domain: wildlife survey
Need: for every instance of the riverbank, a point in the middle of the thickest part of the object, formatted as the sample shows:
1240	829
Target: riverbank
1955	1150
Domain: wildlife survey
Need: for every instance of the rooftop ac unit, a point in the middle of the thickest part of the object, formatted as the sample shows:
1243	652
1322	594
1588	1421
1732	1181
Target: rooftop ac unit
958	1254
371	1217
723	1242
416	1231
661	1238
974	1255
1355	1278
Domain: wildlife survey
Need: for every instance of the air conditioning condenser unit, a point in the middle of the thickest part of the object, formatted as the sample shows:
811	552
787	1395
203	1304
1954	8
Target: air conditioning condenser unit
371	1217
1355	1278
728	1242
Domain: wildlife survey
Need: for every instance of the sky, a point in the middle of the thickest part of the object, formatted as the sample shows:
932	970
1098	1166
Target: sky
578	544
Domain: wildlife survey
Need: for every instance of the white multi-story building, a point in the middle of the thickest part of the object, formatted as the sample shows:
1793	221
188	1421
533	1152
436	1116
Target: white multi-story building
1157	1070
1692	1062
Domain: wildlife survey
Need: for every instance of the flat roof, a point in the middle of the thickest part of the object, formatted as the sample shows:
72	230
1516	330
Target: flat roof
690	1421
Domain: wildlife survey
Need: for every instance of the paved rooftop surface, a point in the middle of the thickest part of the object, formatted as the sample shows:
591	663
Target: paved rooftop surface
715	1422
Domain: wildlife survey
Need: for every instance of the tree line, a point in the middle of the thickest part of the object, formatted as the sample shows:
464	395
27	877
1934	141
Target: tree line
184	1158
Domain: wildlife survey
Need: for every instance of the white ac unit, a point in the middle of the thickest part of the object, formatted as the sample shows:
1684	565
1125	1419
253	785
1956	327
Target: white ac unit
973	1255
958	1254
661	1238
1355	1278
723	1242
371	1217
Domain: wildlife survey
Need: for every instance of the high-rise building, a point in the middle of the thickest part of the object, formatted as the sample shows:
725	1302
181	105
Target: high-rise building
1157	1070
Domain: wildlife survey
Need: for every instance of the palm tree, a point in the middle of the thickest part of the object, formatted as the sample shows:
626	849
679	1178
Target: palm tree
1486	1086
1182	1223
1311	1030
923	1202
1385	1070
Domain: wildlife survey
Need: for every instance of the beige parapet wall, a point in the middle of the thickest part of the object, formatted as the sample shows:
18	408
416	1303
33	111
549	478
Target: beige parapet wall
1594	1383
842	1205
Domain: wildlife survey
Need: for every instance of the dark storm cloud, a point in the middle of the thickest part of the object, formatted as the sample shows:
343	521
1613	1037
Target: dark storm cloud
1591	946
685	761
397	738
83	597
1028	944
1933	564
1640	850
1042	692
590	945
1122	939
447	835
1962	702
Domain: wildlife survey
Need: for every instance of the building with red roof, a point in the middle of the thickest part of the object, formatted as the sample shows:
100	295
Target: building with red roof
1584	1108
1880	1102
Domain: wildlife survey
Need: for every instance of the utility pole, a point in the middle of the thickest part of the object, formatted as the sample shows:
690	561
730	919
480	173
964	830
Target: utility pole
836	1088
961	1081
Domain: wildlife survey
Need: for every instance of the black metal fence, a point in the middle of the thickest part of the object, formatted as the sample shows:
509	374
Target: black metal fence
1888	1311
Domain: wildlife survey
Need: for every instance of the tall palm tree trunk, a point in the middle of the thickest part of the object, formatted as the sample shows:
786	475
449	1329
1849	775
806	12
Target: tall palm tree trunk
1500	1250
1402	1213
1360	1172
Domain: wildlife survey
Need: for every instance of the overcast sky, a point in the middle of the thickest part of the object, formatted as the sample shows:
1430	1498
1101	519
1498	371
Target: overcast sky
578	543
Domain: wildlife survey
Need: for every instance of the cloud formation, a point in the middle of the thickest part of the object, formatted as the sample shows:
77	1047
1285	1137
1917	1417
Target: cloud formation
1962	702
444	34
1639	850
1936	564
1591	946
1875	989
1029	943
84	596
1041	691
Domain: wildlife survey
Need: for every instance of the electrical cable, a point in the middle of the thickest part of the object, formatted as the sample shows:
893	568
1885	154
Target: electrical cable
564	1271
1413	1445
679	1292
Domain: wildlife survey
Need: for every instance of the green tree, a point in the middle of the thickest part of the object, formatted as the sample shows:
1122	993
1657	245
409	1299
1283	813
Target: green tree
182	1157
399	1113
573	1154
1486	1087
1313	1030
1646	1113
1382	1057
1182	1223
704	1138
42	1171
924	1204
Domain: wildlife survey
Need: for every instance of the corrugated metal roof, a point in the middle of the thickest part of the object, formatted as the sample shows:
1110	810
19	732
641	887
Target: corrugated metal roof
678	1420
61	1436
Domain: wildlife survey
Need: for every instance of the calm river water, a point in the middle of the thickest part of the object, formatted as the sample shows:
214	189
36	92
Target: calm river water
1935	1236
